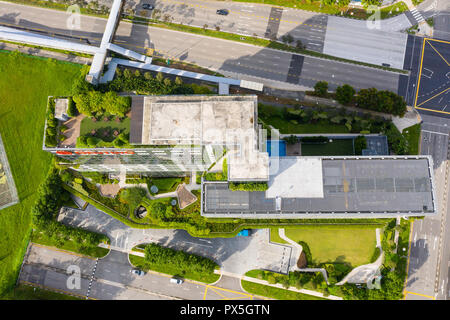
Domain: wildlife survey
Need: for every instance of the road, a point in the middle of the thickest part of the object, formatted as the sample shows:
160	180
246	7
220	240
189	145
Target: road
430	243
109	278
274	68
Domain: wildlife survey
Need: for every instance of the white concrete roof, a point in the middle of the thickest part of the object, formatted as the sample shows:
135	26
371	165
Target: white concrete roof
295	178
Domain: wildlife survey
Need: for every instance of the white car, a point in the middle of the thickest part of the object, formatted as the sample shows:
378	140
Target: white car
137	272
176	281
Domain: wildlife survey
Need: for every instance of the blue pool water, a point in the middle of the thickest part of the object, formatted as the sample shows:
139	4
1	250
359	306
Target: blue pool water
279	145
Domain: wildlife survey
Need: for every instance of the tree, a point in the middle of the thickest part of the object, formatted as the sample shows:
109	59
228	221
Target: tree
360	144
147	75
71	108
159	77
345	94
158	210
321	88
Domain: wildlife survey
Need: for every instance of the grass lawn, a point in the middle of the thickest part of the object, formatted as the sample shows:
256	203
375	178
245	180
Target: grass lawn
87	125
166	184
320	127
94	252
139	262
339	147
412	135
275	293
25	83
352	244
25	292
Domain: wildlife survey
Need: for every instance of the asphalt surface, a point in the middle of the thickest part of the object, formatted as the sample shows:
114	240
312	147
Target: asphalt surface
434	82
235	255
430	250
272	67
109	278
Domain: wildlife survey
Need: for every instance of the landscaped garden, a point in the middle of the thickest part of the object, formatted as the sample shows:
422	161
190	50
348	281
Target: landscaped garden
351	244
25	83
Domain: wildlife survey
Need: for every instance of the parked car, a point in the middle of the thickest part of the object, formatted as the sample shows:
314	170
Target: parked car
243	233
148	6
137	272
176	281
223	12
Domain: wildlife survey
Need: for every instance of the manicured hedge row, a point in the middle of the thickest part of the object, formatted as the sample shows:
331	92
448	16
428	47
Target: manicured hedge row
248	186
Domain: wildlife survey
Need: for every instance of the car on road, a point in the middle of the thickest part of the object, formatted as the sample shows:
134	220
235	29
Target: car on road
148	6
223	12
137	272
176	281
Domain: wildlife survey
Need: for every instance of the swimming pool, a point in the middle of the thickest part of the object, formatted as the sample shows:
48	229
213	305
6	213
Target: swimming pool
279	148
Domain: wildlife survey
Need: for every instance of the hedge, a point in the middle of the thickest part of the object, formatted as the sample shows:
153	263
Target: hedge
248	186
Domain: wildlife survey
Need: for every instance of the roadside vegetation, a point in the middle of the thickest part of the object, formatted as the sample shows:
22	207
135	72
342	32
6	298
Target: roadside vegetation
26	292
176	263
21	126
275	293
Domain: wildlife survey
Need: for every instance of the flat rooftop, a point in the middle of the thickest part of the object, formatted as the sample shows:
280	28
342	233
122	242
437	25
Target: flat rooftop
194	119
352	188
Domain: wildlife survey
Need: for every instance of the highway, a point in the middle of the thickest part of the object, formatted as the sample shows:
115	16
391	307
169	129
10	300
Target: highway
272	67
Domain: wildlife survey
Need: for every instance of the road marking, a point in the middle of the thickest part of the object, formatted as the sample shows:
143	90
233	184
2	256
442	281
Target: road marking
434	132
419	294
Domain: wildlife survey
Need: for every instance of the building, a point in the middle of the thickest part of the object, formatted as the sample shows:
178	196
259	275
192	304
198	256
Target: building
176	135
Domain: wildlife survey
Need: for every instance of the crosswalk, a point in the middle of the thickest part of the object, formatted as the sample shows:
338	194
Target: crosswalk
416	14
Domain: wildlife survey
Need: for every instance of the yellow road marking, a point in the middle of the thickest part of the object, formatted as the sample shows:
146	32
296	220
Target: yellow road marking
438	53
217	292
420	73
206	290
420	294
431	110
433	97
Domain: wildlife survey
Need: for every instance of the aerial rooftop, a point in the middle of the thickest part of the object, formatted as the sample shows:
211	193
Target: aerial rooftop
196	119
352	187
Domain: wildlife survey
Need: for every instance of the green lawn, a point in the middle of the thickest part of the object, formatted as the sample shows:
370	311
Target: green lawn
25	292
139	262
25	83
339	147
275	293
69	245
412	135
350	243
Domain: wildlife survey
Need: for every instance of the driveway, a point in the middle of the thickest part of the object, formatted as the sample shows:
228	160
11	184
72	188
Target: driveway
234	255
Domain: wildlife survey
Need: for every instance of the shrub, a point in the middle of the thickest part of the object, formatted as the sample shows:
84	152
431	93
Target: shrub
71	109
248	186
321	89
132	196
360	144
318	139
345	94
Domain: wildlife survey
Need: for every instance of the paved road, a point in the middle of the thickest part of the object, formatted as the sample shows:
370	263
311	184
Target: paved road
272	67
430	250
236	255
109	278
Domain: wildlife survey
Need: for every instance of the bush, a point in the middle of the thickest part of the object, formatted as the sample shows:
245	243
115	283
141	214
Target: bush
321	89
360	144
248	186
71	109
345	94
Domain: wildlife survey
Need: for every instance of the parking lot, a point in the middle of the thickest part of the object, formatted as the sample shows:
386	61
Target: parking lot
433	87
109	278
